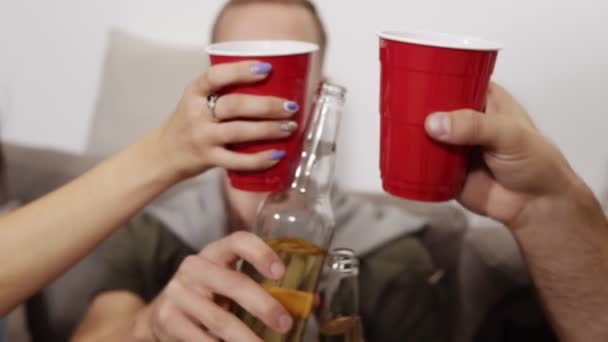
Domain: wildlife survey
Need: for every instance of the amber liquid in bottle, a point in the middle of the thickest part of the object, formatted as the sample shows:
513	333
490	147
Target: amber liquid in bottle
343	329
295	291
340	319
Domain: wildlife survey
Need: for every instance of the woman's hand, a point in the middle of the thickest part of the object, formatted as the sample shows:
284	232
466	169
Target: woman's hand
194	138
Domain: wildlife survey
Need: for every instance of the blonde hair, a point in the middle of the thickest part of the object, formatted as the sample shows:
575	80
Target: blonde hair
306	4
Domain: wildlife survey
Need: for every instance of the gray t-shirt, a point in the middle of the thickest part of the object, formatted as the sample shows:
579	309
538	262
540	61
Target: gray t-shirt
195	211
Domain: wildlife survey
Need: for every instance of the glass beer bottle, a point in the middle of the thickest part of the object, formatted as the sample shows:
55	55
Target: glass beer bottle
298	223
339	317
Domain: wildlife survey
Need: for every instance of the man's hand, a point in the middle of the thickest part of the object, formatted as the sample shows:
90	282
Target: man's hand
193	306
516	164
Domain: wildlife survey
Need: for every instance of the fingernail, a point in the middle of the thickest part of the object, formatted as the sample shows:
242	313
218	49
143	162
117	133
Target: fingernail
285	323
291	107
262	68
277	155
317	300
277	270
289	126
438	125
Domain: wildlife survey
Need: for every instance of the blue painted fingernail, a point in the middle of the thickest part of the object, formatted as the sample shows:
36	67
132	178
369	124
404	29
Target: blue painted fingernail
262	68
277	155
291	107
285	323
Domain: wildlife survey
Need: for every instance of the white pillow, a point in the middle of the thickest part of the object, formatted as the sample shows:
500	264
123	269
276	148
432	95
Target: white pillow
141	84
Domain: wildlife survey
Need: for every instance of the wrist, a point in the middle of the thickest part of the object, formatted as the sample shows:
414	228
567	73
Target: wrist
563	240
142	330
574	205
154	160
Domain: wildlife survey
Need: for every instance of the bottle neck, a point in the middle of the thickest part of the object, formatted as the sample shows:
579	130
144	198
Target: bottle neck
317	162
343	284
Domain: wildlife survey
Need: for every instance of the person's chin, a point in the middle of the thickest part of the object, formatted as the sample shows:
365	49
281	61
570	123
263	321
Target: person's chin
243	203
244	193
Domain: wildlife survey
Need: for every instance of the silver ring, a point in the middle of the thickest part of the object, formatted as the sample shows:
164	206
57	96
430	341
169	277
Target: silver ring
211	103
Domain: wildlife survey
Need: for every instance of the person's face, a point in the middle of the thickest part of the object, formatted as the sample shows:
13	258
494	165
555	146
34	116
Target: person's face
262	22
267	21
271	21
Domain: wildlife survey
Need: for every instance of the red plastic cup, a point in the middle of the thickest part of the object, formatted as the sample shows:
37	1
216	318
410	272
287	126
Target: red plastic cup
423	73
288	79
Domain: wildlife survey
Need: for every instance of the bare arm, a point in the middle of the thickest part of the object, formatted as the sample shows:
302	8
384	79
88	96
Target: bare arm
565	243
43	239
111	317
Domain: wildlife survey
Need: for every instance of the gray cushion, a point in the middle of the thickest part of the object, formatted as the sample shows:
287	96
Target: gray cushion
32	171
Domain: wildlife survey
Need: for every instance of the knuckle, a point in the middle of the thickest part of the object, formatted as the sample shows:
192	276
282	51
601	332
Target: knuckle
468	112
270	105
241	237
270	129
228	132
217	323
231	72
215	245
525	135
228	105
264	130
472	128
212	76
194	86
476	126
259	162
191	263
173	289
233	330
267	255
203	133
466	115
191	108
230	282
244	68
164	314
255	162
270	311
199	85
238	279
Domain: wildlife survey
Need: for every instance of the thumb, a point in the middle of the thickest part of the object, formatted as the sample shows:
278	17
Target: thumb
466	127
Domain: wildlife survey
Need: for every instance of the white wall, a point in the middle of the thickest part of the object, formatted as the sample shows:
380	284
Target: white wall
555	60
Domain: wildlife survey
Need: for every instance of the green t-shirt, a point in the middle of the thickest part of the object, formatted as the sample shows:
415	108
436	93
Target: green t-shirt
397	302
142	257
1	330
